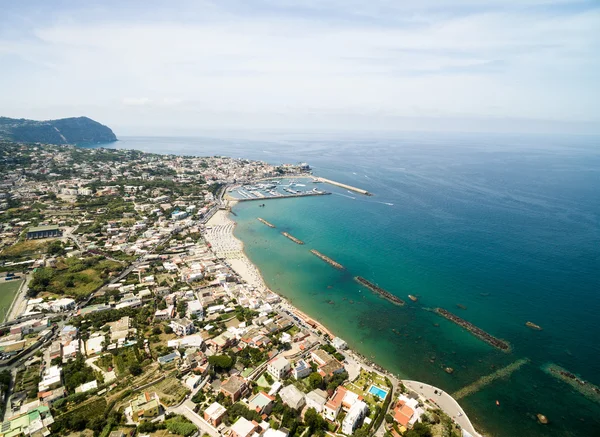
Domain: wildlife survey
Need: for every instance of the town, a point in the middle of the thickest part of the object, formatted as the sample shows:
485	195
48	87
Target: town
122	318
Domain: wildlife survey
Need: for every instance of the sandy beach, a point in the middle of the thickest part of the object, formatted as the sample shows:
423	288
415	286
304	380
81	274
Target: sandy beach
219	233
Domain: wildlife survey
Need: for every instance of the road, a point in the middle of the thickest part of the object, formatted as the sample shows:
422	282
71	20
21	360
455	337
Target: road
446	403
187	409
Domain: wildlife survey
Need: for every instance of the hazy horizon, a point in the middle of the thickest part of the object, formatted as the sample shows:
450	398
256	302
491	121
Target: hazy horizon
149	68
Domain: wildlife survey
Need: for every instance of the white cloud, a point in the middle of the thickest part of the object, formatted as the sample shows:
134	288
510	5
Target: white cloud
354	57
136	101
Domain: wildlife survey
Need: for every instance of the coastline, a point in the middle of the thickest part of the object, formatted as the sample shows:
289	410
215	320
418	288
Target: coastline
226	245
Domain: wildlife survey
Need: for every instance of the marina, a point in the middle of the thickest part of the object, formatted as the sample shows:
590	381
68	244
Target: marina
291	237
327	259
476	331
380	291
274	189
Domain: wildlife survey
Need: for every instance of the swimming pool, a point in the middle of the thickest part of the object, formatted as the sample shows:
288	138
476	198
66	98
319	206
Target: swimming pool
379	392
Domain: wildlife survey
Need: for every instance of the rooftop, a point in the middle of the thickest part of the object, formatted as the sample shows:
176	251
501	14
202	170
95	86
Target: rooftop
43	228
243	427
215	410
233	384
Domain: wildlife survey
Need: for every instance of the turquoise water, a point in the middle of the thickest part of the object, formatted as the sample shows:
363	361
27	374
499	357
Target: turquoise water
379	392
506	226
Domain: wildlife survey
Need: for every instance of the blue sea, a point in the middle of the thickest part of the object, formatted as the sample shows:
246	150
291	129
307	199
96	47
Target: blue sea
506	226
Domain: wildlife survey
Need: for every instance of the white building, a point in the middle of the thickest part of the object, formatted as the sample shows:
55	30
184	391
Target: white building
274	433
186	342
316	399
194	308
166	314
301	369
292	397
51	378
192	381
278	367
243	428
339	344
182	327
354	417
61	305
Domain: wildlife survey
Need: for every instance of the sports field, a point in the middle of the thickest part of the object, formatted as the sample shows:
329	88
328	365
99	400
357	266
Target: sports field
8	290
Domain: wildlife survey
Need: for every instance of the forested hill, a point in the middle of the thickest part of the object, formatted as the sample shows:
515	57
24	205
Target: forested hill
75	130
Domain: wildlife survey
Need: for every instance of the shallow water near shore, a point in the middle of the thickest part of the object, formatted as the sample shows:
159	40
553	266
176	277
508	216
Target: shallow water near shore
506	226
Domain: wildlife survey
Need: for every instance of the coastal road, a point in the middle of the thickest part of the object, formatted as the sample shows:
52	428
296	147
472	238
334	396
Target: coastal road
446	403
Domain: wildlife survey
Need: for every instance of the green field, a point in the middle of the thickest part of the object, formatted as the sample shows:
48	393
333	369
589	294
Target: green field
7	295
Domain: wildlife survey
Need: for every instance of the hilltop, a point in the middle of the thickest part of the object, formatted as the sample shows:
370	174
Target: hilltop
74	130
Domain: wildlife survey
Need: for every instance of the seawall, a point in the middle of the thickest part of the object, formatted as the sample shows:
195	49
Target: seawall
347	187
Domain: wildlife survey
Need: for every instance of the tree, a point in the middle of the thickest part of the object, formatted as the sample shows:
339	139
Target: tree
419	430
314	421
56	249
336	380
360	432
181	308
135	369
315	380
221	362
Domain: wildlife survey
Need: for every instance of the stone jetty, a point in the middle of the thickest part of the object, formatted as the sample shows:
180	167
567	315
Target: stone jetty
476	331
291	237
327	259
484	381
262	220
380	291
584	387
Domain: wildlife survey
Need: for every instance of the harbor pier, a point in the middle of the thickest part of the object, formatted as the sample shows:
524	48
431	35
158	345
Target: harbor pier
347	187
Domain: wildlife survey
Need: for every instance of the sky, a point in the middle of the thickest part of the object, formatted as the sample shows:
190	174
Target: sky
182	67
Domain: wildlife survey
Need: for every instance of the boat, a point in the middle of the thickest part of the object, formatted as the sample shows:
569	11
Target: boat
497	402
413	298
462	307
